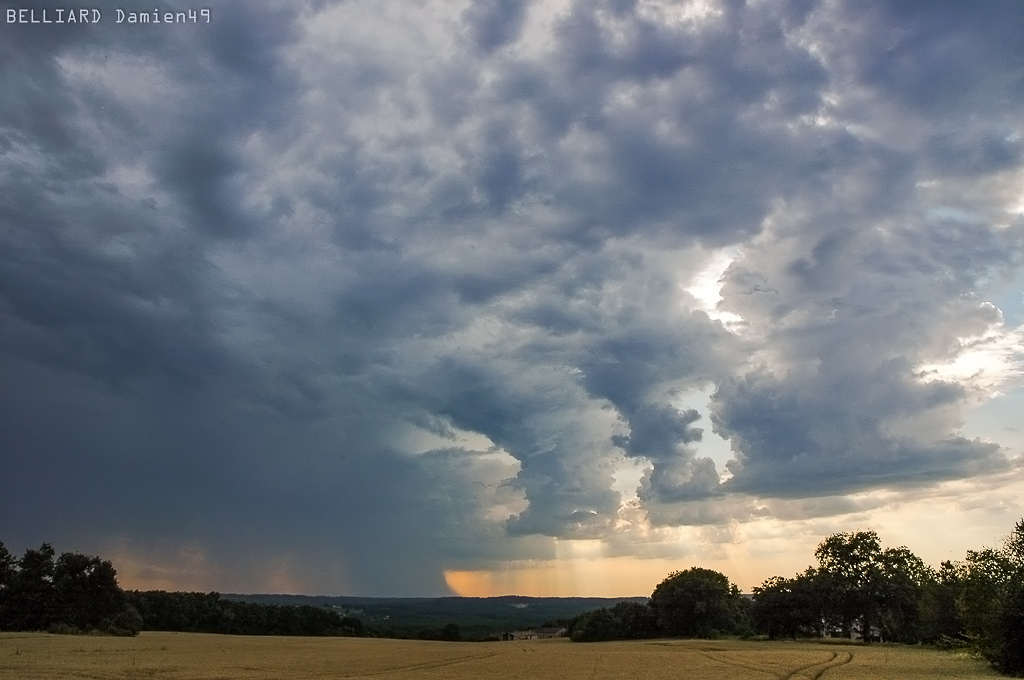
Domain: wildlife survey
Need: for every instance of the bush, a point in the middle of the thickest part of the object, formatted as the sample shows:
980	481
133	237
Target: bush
60	628
128	623
596	626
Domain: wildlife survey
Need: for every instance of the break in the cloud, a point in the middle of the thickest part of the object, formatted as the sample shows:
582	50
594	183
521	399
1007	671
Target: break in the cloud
345	296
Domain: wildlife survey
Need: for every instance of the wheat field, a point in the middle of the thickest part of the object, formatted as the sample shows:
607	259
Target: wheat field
186	656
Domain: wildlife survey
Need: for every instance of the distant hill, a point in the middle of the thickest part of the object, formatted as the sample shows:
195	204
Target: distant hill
476	617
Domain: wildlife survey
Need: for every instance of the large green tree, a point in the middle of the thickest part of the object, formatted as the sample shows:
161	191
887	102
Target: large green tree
940	612
31	601
6	566
7	572
86	592
851	577
861	584
991	601
788	607
905	580
697	602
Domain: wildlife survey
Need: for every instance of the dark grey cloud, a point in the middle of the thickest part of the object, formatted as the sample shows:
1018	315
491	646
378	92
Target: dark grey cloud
373	285
495	23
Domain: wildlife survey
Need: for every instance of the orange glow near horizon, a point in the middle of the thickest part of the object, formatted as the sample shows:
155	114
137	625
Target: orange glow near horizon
939	523
189	568
594	577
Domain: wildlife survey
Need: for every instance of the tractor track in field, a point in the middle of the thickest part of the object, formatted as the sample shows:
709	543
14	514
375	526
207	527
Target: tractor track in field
838	659
717	658
422	666
811	671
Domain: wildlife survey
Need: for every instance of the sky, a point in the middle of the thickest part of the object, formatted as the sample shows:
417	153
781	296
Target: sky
428	297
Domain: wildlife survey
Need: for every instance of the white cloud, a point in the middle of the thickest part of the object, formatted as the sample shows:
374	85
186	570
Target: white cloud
987	364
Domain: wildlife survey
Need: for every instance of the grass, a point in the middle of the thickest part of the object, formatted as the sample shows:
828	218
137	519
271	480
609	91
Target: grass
186	656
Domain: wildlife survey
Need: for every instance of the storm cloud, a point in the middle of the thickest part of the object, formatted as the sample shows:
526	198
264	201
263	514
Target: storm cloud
353	293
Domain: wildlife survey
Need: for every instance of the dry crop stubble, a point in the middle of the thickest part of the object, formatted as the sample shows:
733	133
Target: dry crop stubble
185	656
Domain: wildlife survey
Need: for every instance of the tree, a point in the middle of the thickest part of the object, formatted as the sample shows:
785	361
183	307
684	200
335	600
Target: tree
697	602
451	633
596	626
789	606
7	564
624	621
86	592
31	601
128	622
992	602
986	575
941	621
7	573
851	575
352	627
904	580
774	606
637	621
866	585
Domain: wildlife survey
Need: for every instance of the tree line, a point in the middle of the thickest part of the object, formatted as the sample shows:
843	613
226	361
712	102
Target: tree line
74	593
858	588
210	613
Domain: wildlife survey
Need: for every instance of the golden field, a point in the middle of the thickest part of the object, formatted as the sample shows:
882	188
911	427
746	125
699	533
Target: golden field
186	656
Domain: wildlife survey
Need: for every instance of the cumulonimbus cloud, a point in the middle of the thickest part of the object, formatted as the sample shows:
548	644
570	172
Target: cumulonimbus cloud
379	277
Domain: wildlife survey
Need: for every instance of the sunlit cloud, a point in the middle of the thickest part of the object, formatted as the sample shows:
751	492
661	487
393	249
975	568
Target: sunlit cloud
986	364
